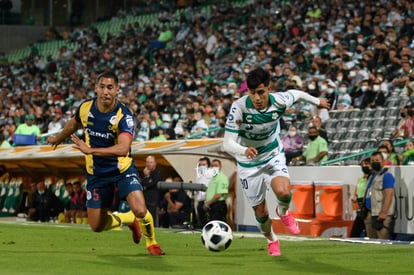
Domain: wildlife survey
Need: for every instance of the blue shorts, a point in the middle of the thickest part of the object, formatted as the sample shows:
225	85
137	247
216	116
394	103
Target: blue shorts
101	189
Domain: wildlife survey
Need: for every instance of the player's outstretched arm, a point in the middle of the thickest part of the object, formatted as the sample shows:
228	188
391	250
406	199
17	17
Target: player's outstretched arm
300	95
231	146
120	149
70	127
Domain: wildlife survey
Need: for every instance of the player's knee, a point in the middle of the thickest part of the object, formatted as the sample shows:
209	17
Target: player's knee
283	194
261	213
140	213
96	227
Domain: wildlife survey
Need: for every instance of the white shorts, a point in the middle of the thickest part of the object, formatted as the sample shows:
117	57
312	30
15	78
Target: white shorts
256	180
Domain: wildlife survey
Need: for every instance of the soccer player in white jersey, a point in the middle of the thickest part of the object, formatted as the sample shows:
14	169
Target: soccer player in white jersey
253	136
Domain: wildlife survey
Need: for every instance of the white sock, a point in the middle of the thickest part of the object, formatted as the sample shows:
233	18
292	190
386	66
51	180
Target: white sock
282	210
274	238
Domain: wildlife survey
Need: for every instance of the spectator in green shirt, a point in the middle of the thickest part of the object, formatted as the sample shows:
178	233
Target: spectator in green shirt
166	36
29	128
316	148
216	194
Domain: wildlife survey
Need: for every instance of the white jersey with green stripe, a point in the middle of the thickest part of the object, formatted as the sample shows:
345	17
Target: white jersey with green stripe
258	128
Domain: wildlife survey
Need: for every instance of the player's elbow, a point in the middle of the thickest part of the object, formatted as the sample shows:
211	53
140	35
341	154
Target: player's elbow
123	153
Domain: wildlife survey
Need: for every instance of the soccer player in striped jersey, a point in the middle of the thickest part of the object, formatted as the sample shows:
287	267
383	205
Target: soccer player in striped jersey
108	127
252	135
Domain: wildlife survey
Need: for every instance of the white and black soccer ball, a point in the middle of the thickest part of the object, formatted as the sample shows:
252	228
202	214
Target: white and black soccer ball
216	236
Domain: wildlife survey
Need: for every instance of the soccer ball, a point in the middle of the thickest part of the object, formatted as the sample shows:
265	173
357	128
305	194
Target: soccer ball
216	236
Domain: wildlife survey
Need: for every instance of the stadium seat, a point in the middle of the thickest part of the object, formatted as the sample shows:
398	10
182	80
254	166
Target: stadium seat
392	112
4	189
13	196
356	113
344	115
23	140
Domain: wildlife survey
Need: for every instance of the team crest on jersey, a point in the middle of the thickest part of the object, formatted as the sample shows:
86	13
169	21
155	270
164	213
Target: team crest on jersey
274	116
90	115
113	120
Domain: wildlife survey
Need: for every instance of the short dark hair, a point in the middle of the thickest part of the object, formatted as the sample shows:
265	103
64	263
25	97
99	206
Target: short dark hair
108	74
217	160
377	153
257	77
206	159
366	161
383	146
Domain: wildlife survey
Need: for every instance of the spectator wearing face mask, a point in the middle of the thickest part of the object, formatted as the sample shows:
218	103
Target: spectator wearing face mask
168	126
153	127
143	131
293	144
316	149
344	99
316	121
379	200
203	177
328	88
360	97
376	95
392	156
383	149
216	193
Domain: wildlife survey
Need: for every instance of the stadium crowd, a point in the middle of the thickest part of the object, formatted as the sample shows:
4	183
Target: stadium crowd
180	81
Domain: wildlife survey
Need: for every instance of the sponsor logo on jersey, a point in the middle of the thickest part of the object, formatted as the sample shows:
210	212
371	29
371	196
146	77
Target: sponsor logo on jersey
98	134
257	136
249	118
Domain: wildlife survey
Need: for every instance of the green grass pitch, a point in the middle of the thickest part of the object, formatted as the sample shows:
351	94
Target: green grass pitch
33	248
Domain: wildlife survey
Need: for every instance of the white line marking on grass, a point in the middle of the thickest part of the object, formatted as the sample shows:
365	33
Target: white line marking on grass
369	241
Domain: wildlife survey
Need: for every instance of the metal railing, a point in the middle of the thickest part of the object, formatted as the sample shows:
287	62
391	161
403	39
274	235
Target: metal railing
365	153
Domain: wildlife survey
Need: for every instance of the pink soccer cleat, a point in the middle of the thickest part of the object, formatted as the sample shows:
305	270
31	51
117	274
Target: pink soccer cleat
273	249
290	223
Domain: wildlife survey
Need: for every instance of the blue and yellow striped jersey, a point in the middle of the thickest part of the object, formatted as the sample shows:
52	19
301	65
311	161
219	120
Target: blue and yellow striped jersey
102	130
